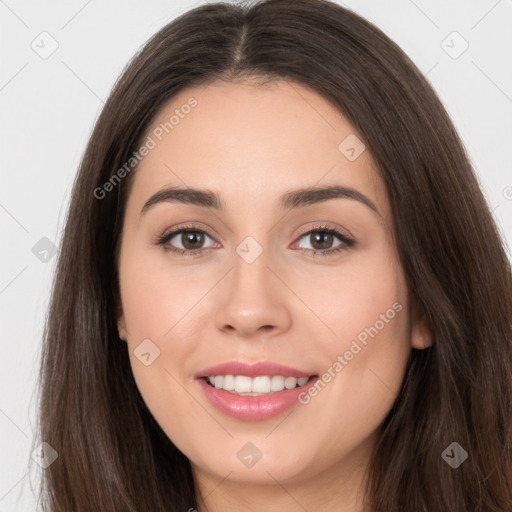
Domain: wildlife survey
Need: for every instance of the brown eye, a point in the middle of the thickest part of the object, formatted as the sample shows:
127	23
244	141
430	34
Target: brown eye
185	241
192	240
321	240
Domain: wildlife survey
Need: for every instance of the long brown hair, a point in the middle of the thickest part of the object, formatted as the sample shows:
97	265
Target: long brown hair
112	455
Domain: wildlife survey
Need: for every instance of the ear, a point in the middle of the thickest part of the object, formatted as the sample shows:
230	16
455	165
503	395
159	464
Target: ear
421	335
121	322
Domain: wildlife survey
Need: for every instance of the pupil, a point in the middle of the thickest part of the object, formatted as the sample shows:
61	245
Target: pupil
194	238
325	237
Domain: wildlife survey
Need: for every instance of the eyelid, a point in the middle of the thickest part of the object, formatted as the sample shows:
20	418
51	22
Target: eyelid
326	225
192	226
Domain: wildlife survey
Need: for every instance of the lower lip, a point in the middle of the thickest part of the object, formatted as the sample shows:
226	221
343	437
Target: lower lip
253	408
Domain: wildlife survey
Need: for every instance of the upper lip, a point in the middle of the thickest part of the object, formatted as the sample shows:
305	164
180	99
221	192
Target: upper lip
252	370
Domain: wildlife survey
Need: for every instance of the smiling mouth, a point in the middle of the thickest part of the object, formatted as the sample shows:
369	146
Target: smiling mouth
255	386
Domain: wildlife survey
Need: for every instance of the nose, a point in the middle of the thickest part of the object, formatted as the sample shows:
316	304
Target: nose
253	300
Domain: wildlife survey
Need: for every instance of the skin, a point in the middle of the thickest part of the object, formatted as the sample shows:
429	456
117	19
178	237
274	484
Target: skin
251	143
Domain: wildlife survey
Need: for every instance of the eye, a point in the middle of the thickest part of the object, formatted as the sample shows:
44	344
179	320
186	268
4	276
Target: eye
191	240
322	238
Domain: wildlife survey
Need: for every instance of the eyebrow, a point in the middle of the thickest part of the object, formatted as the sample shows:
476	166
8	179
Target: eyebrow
289	200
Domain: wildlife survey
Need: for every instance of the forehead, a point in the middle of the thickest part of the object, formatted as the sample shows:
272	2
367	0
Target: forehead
251	142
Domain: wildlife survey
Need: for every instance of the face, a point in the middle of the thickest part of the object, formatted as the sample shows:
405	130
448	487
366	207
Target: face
313	283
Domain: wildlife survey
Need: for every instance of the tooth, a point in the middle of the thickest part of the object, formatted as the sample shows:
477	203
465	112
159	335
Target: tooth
261	384
229	382
290	382
219	381
277	383
243	384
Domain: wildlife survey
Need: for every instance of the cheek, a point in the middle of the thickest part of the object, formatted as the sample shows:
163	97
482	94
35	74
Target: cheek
365	358
371	324
160	307
158	298
369	305
167	306
364	299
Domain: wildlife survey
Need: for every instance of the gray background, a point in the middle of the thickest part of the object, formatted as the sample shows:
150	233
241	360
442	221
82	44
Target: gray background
49	103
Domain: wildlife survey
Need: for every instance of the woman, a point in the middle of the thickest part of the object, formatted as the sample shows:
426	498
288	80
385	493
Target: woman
199	356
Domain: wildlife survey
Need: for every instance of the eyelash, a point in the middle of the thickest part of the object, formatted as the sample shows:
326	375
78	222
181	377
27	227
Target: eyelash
347	242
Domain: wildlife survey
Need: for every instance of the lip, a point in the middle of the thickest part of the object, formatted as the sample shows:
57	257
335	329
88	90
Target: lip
252	370
253	408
